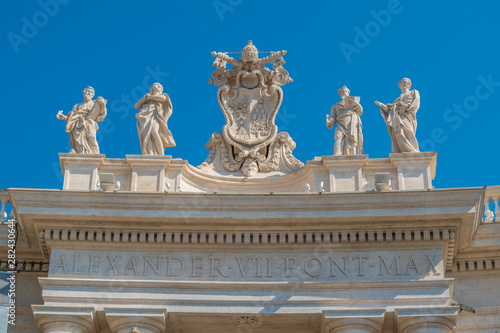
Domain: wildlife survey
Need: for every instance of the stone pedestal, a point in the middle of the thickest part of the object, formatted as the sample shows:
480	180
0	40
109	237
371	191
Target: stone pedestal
415	170
148	172
346	172
80	170
353	173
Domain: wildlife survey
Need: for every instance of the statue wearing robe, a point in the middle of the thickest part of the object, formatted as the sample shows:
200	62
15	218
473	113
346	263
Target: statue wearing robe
348	134
401	120
154	110
81	123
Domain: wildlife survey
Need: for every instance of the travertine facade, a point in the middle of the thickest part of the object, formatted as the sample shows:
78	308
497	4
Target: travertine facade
207	257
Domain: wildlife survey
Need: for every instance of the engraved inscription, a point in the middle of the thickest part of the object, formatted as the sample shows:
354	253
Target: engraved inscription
318	266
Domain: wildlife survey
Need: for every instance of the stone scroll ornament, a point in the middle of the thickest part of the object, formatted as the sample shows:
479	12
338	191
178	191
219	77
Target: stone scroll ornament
154	110
81	123
250	96
401	118
348	134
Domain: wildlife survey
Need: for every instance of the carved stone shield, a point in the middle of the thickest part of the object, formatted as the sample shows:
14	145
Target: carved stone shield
250	115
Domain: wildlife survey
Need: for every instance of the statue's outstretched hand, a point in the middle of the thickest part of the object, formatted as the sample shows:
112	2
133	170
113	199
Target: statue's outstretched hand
61	116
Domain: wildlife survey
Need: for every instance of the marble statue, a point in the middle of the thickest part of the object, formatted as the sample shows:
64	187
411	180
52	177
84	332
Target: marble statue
81	123
155	109
401	118
250	96
348	134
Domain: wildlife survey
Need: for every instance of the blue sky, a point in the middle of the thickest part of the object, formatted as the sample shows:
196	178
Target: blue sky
52	49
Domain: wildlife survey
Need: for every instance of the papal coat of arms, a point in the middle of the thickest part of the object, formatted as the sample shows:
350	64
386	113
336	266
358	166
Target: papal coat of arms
250	96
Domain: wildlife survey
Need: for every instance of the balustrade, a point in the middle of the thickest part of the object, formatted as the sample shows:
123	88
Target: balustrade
492	195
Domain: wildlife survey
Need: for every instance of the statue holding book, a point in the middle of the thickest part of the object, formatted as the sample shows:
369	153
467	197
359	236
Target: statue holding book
81	123
346	114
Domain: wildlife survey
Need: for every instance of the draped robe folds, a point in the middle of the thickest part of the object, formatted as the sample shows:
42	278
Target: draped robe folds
154	134
402	122
348	134
81	124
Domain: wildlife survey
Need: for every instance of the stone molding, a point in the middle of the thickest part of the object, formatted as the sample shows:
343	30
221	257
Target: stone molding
26	266
73	218
477	264
139	173
248	238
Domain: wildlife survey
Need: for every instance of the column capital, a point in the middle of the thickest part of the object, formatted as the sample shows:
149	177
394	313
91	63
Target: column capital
51	319
136	320
345	321
423	320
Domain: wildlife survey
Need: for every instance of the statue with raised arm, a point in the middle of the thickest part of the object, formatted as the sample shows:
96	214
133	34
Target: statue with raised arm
154	110
250	96
348	134
401	118
81	123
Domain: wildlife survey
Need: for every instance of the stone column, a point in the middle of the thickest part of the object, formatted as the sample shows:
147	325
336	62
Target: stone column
64	320
354	321
136	320
427	320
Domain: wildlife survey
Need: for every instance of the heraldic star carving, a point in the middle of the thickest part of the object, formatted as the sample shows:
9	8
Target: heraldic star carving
250	96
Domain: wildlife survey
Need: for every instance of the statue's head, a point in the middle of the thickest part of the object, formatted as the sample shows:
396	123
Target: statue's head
156	88
344	91
88	93
404	83
249	54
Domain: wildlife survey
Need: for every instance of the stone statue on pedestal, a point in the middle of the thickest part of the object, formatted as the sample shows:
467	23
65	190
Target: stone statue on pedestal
401	118
348	134
250	97
81	123
155	109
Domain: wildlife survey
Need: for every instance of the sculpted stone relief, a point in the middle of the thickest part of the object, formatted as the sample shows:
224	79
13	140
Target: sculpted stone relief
249	96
